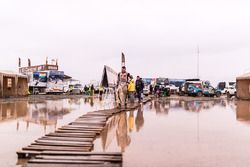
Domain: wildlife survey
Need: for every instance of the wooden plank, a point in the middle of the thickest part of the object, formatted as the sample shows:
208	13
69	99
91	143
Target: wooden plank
27	154
75	135
81	153
81	128
72	165
78	131
90	122
68	142
67	139
82	158
82	123
56	148
66	161
62	144
100	114
107	111
84	126
86	123
92	118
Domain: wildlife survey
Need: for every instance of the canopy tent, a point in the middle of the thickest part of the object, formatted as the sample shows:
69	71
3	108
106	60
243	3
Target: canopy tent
109	77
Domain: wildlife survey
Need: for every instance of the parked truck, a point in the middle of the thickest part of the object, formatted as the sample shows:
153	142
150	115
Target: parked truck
47	82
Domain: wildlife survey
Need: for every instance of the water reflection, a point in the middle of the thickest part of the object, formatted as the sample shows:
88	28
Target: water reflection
243	111
131	121
25	120
42	112
46	113
139	120
161	107
120	127
12	110
123	139
164	106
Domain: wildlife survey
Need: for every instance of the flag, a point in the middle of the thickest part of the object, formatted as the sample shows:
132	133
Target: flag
123	59
19	62
29	63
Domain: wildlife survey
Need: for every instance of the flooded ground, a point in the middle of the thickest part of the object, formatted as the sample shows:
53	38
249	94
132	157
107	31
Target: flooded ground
23	121
181	133
160	133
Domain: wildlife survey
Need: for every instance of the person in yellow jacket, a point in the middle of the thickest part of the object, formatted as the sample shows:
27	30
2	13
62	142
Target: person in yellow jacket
131	90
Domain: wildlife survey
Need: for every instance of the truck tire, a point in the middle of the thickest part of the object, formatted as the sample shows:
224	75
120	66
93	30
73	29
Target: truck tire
218	94
229	95
199	94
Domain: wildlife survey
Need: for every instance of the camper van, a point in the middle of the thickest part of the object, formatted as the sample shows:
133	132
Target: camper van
47	82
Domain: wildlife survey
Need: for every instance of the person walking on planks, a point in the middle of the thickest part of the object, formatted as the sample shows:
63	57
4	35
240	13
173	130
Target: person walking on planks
122	87
131	90
139	88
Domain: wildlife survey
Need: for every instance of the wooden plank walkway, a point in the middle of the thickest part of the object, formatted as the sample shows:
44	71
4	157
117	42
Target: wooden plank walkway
72	144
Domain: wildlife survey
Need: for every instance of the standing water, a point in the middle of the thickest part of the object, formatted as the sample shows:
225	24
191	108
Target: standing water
181	133
24	120
160	133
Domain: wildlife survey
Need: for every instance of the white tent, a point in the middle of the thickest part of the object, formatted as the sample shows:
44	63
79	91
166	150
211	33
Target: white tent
109	77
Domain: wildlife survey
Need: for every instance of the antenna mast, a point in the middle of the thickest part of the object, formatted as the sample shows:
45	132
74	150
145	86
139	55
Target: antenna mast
198	62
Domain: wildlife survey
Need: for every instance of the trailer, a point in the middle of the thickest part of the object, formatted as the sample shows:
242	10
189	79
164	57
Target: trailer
47	82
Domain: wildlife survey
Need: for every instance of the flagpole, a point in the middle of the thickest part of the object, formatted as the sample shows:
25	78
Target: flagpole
198	62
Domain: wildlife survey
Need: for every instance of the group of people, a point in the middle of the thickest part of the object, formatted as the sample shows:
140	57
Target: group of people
127	88
89	90
160	90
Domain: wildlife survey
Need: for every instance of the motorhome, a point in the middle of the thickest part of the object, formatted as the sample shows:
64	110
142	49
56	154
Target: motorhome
47	82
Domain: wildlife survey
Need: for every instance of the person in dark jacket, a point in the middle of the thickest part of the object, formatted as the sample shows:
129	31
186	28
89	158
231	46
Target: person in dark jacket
139	86
151	89
92	90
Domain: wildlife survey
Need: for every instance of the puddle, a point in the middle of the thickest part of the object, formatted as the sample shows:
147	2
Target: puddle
160	133
181	133
22	122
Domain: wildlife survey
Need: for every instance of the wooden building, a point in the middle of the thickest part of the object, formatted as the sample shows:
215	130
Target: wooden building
13	84
243	86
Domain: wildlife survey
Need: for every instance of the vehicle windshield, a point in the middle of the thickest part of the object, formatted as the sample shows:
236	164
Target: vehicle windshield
56	75
162	81
222	85
232	83
78	86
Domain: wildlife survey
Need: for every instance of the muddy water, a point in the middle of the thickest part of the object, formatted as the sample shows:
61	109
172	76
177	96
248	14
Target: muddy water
160	133
181	133
23	121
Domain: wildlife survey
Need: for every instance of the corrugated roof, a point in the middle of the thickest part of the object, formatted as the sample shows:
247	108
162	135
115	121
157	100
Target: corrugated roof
11	73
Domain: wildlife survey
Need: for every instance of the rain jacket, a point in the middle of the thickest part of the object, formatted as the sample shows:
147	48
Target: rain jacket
131	86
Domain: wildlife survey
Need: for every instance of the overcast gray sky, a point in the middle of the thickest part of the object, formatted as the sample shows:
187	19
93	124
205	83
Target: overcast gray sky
158	37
